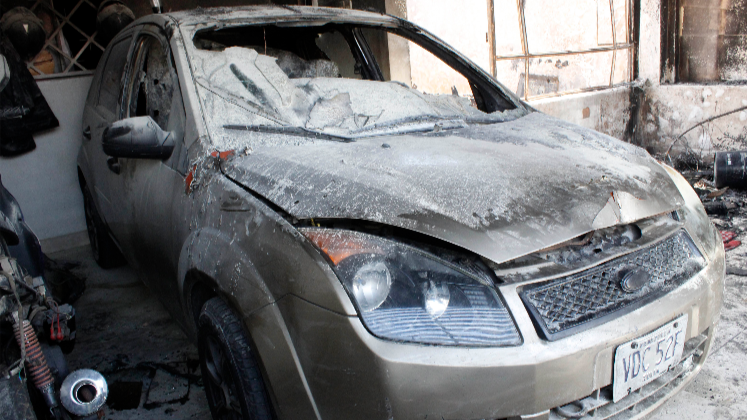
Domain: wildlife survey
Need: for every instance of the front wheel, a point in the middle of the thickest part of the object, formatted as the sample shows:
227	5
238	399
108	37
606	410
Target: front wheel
233	382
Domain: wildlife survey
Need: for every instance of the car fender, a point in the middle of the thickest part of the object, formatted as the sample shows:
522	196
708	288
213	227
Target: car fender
226	267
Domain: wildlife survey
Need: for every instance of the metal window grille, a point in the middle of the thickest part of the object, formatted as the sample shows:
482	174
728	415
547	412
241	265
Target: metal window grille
85	52
626	46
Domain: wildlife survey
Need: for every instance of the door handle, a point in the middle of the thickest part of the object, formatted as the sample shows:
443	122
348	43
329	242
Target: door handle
114	166
87	132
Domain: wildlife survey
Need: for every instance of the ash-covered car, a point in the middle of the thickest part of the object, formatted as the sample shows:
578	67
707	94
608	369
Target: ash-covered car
354	221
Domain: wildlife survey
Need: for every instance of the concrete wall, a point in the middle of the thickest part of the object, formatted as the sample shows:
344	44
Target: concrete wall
45	181
668	110
606	111
647	113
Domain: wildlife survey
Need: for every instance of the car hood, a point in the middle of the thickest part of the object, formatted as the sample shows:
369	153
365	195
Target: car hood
501	190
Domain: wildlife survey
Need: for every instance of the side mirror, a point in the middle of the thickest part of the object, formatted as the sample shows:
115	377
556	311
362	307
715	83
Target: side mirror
137	137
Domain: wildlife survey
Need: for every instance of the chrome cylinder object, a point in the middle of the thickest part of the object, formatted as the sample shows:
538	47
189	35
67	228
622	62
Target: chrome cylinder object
84	392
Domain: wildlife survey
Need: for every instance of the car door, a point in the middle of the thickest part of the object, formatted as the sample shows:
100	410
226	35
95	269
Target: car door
149	187
102	108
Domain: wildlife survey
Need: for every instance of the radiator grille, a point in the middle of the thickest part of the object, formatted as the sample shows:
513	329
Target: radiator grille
563	306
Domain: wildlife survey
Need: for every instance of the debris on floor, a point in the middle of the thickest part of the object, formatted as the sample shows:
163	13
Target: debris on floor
167	388
728	246
65	284
726	206
151	367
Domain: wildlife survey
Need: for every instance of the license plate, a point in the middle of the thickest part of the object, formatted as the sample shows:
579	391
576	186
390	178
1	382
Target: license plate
644	359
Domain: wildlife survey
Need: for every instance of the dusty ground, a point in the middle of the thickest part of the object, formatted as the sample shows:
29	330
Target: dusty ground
125	333
720	390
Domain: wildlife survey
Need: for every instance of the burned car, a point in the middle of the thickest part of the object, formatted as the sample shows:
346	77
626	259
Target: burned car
354	221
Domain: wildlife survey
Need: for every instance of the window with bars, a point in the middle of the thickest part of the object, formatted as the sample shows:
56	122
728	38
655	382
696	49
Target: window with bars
71	44
540	48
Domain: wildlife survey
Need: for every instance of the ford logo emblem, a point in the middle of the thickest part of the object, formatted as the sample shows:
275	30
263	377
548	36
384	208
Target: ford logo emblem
634	280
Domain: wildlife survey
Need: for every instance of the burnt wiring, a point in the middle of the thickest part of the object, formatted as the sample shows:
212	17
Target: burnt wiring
706	121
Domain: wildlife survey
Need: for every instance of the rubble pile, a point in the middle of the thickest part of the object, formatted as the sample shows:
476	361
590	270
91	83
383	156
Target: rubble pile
726	207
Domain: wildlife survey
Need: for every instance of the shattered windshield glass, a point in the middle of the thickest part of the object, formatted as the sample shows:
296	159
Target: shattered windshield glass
332	81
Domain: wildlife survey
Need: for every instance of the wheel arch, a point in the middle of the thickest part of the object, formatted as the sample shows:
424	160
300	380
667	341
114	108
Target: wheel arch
209	266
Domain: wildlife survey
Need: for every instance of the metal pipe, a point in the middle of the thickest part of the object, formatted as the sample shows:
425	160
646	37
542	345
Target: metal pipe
491	37
631	28
524	46
573	92
614	42
562	53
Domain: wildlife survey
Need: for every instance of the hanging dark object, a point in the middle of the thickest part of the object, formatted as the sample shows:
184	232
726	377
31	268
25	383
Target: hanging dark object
112	17
24	30
23	109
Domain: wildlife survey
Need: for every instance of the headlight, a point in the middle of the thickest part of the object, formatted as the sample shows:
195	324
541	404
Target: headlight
405	294
693	215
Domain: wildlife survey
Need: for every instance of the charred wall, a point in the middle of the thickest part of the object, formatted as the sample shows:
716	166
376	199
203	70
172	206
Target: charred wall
706	40
697	104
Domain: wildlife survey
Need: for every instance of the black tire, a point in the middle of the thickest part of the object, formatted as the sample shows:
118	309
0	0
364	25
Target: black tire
105	251
233	382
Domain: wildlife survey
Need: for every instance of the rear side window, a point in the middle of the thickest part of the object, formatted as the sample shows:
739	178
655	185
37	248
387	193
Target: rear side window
111	77
152	82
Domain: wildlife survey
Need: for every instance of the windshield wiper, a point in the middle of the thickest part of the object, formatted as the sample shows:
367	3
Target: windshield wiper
290	131
411	125
408	125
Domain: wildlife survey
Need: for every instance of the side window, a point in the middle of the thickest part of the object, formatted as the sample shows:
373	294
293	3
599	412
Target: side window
152	83
111	77
334	45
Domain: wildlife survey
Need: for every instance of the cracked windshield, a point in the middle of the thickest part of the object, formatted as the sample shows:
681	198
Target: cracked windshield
335	80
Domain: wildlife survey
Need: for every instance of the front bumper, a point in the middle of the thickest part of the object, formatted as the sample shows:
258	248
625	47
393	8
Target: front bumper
346	373
599	405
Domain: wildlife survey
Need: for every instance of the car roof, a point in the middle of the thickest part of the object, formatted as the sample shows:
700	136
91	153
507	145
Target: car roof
267	13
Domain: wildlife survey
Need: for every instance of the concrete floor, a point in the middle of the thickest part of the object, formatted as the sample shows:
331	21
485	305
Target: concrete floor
125	333
720	390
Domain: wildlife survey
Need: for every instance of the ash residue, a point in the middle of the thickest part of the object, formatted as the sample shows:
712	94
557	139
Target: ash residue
501	190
